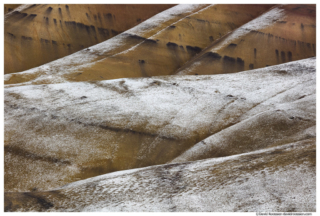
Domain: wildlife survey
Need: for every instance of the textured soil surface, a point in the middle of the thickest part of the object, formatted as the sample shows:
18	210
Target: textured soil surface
198	108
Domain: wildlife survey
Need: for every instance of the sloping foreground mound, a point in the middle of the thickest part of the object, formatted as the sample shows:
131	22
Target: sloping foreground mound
60	133
159	46
283	34
281	178
37	34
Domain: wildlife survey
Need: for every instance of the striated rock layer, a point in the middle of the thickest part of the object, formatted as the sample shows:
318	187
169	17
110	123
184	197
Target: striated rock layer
37	34
285	33
158	46
59	133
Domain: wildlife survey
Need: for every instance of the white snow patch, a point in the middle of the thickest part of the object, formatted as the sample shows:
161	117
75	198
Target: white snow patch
7	77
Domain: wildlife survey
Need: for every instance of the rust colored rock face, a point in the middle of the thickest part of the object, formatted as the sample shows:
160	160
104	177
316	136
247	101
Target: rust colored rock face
153	51
168	50
42	33
289	36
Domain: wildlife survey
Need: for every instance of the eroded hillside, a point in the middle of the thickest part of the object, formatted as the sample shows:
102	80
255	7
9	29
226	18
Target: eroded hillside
198	108
181	32
280	179
283	34
37	34
82	129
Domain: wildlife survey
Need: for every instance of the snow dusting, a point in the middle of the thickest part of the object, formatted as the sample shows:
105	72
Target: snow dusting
261	22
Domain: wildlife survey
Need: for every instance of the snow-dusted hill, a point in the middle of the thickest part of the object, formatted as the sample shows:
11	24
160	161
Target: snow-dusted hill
270	180
78	130
199	108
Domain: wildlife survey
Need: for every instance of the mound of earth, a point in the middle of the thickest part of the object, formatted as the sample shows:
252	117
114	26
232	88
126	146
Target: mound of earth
197	108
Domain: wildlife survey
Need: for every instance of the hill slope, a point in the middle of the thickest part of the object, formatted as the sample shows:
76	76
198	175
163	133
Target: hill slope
283	34
37	34
198	108
279	179
156	47
79	130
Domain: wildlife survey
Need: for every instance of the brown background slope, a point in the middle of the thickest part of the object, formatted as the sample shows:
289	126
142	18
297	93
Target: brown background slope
289	39
165	52
10	7
43	33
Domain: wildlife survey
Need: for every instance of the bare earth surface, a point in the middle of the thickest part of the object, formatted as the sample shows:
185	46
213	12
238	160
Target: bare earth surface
198	108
